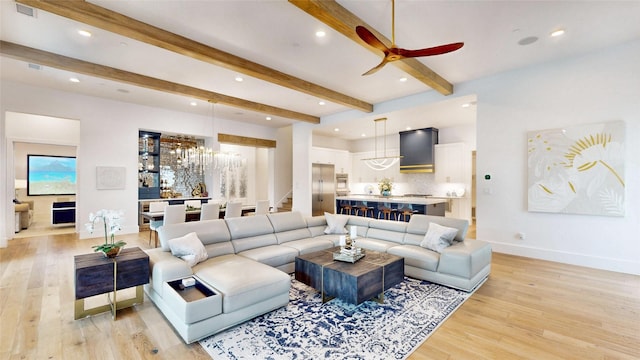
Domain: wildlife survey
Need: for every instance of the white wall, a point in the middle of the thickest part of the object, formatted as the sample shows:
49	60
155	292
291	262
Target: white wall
109	137
597	87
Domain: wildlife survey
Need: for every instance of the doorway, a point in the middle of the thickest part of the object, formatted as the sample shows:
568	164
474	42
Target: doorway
39	135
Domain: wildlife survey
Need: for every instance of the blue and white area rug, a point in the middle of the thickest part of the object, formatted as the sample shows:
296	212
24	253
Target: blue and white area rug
308	329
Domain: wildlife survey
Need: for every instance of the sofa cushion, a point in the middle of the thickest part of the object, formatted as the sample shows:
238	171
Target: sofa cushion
286	221
336	223
387	230
289	226
305	246
249	232
438	237
418	225
272	255
293	235
242	281
247	226
375	244
416	256
361	222
254	242
316	225
188	248
210	232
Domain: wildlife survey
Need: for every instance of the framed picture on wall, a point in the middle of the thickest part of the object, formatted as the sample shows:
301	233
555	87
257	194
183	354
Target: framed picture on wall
578	169
110	177
51	175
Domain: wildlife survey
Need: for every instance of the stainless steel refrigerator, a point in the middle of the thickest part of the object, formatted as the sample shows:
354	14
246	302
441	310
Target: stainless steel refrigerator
323	189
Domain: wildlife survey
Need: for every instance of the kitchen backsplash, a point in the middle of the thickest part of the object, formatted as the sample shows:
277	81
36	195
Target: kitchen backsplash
413	184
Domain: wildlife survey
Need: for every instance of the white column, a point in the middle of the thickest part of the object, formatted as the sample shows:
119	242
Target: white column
302	138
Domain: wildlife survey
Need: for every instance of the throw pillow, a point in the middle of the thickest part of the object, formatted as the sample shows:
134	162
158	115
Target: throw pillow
335	223
438	237
188	248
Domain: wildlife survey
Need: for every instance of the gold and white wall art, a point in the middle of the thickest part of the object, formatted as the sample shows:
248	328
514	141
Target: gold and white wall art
578	170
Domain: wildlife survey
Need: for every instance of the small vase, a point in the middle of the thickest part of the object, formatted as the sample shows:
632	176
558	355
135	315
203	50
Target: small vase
112	253
386	193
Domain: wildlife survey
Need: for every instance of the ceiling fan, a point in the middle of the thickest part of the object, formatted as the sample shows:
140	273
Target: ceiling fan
394	53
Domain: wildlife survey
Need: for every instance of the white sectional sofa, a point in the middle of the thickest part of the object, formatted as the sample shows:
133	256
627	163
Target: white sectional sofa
249	258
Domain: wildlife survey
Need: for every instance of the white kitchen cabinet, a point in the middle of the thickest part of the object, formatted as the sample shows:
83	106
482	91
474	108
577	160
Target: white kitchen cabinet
453	163
339	158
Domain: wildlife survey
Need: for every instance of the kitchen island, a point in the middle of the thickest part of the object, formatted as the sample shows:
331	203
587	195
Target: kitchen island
376	204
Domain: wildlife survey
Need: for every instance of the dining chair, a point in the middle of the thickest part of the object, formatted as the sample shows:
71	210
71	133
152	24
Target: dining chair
262	208
234	209
175	214
156	206
210	211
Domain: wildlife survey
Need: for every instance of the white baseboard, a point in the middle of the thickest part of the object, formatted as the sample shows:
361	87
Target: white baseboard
596	262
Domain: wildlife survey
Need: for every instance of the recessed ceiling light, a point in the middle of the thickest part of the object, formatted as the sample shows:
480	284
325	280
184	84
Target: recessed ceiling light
558	32
363	135
268	118
239	79
321	103
321	33
74	80
466	105
193	103
336	129
84	33
408	127
403	79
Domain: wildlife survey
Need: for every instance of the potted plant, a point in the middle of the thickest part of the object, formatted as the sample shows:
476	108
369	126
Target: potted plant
111	222
385	187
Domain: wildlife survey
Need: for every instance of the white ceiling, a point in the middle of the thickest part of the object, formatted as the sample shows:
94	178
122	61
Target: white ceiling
277	34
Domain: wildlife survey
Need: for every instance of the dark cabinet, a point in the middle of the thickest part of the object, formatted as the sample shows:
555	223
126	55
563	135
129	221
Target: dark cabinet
148	165
417	150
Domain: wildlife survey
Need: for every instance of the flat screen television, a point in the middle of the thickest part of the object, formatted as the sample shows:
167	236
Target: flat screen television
51	175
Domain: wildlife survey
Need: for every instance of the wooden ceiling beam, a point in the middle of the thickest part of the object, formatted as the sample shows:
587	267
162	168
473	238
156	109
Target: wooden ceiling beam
342	20
105	19
41	57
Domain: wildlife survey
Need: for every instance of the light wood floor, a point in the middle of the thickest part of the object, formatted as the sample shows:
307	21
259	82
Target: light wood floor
528	309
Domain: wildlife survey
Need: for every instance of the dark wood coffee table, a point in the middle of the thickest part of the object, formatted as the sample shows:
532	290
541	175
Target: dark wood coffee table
355	283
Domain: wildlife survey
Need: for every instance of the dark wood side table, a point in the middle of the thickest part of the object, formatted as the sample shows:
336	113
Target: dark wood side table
95	274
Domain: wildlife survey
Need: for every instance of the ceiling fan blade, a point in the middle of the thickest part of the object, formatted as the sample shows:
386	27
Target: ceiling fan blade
378	67
368	37
436	50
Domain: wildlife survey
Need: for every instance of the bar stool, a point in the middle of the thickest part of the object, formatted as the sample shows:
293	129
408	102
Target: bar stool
363	209
386	212
346	207
406	213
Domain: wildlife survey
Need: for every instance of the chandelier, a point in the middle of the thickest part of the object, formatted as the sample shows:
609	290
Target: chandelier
381	162
190	153
226	160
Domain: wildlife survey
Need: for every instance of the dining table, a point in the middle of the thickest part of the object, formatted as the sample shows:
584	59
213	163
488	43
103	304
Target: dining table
191	215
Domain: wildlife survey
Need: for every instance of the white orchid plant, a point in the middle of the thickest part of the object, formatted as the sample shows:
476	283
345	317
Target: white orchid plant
111	221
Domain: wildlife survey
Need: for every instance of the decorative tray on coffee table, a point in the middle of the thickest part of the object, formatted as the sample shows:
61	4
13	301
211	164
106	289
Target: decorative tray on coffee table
349	255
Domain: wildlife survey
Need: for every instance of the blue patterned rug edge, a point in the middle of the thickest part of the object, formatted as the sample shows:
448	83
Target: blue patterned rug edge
308	329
